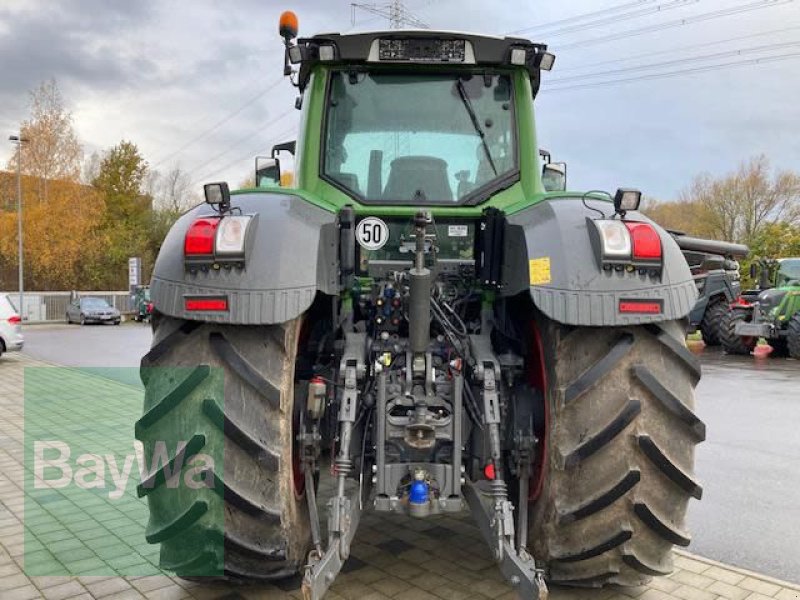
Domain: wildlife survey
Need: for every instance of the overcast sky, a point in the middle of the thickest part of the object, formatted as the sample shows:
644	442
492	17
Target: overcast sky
198	83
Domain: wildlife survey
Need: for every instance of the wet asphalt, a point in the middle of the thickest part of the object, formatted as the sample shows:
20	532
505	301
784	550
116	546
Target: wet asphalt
749	464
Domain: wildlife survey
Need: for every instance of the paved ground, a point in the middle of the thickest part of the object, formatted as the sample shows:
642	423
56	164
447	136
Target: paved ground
393	557
748	464
96	346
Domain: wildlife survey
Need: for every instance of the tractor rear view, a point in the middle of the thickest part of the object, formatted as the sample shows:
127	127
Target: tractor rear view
419	312
771	311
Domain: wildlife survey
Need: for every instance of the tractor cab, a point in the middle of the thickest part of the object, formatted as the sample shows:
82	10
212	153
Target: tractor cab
787	273
772	276
420	118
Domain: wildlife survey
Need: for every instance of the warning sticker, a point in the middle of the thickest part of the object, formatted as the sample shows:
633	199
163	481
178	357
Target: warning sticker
539	270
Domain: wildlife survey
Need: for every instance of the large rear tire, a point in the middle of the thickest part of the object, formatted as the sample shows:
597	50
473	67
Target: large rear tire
793	337
732	343
711	325
252	522
620	438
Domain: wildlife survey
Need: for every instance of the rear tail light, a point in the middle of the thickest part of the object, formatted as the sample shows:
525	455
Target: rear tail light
15	319
231	235
646	241
217	239
199	239
628	241
615	239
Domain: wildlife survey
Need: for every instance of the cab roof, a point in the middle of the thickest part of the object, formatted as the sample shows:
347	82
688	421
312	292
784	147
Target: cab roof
421	47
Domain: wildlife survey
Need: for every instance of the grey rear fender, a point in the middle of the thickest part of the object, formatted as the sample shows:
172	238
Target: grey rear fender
562	269
291	254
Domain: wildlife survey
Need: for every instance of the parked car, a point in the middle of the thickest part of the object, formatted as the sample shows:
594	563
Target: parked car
90	309
10	326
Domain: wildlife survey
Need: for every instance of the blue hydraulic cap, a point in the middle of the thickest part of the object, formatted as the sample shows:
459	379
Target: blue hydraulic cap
419	492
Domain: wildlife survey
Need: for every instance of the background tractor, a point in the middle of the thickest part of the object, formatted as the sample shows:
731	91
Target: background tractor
770	311
142	306
415	308
716	273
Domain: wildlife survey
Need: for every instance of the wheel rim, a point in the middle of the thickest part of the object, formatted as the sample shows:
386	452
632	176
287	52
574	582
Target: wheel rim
298	419
536	373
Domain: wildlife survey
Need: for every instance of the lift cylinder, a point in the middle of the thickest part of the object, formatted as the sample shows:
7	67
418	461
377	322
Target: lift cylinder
419	310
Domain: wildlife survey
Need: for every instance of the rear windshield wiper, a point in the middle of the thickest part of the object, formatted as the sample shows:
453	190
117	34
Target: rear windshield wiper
475	122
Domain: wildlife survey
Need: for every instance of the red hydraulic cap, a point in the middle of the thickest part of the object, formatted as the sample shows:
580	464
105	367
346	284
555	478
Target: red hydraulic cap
488	471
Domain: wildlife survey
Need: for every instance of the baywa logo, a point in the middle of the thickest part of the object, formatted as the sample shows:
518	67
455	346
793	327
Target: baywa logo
55	468
99	501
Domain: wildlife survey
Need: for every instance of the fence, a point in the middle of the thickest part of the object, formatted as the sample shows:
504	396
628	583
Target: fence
41	307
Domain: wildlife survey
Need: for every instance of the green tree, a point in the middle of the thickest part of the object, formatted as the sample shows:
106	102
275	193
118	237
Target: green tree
777	240
120	180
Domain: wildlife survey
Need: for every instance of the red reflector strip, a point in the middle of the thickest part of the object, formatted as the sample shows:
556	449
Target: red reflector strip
206	304
14	319
646	241
640	306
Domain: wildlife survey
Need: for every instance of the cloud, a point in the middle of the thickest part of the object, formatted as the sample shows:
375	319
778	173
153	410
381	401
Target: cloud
61	40
162	73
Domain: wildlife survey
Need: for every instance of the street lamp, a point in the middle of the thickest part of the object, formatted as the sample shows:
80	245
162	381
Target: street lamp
19	140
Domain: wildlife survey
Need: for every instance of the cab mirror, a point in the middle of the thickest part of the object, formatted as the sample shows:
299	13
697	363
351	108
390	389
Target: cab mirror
753	270
268	171
554	177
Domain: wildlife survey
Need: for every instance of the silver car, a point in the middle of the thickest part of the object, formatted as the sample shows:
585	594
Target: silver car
10	326
90	309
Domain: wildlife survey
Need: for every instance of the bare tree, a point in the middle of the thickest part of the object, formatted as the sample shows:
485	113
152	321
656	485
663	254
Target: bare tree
91	168
171	191
766	199
740	205
176	190
52	150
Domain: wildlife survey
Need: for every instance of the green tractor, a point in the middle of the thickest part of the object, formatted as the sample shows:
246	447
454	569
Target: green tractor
771	311
415	310
142	306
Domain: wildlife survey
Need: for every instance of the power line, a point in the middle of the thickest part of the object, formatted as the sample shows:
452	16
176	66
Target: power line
249	154
677	61
585	66
725	12
260	130
395	11
634	14
257	130
666	74
219	123
583	16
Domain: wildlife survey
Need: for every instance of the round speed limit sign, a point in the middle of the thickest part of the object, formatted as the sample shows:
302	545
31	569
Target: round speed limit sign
372	233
